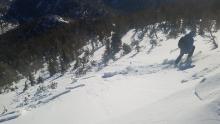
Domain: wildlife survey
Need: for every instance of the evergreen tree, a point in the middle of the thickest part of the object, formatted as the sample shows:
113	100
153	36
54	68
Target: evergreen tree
31	79
115	43
40	80
126	49
108	52
64	62
53	67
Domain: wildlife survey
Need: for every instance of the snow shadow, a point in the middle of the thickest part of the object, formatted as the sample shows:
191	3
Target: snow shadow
52	97
9	116
75	87
202	74
45	97
141	70
208	88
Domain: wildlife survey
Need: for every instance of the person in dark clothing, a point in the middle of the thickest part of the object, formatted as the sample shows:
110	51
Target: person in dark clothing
186	46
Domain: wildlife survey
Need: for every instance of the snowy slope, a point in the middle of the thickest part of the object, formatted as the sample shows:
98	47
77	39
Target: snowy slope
138	88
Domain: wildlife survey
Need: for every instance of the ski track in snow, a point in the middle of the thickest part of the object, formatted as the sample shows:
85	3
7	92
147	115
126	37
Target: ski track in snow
9	116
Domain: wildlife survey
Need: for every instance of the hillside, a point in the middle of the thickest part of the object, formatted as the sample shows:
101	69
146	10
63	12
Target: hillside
139	87
35	33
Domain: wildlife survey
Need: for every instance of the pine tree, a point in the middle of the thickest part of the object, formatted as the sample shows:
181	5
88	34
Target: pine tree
126	48
64	62
31	79
25	86
53	66
40	80
108	52
116	43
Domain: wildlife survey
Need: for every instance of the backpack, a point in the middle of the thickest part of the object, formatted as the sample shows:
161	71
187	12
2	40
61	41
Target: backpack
181	42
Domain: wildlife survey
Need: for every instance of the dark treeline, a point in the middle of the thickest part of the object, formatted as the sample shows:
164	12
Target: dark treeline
25	49
4	5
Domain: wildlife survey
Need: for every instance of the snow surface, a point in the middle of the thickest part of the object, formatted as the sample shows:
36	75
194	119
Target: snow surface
138	88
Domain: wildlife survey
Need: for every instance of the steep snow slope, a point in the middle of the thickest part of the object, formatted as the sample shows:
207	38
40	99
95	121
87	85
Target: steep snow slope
138	88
